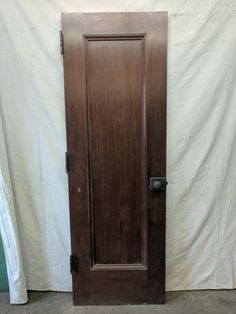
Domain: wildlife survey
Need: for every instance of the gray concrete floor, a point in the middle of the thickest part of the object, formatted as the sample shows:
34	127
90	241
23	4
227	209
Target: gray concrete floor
181	302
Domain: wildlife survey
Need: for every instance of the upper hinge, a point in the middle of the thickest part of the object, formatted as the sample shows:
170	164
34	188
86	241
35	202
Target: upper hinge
61	43
73	263
67	162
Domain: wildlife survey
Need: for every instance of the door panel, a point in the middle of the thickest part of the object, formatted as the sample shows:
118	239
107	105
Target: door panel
117	155
115	92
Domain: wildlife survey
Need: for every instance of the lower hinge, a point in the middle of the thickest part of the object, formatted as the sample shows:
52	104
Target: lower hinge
73	263
67	162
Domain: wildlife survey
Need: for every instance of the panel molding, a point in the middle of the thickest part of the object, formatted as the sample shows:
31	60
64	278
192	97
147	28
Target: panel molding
119	266
115	37
131	36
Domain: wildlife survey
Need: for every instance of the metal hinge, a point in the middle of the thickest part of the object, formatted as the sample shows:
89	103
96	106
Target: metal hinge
61	43
73	263
67	162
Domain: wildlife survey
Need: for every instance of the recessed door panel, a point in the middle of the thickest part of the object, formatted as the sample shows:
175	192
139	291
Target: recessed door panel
117	138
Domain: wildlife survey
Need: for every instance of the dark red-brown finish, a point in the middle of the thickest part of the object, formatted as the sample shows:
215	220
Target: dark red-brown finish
115	90
117	155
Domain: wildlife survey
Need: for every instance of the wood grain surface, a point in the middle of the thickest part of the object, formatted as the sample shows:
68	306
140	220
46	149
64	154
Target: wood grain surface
115	93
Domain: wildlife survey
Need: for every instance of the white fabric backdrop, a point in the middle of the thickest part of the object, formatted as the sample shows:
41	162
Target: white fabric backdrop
201	198
8	228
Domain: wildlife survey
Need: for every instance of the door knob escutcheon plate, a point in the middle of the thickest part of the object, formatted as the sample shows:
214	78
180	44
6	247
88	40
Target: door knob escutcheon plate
157	184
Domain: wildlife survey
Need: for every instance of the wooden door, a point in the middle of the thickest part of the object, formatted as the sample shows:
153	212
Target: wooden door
115	93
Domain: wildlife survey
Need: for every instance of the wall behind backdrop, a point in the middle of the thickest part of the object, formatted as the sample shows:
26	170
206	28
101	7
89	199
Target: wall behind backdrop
201	197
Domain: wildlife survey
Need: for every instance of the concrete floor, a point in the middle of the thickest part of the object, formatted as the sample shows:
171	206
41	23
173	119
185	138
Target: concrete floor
181	302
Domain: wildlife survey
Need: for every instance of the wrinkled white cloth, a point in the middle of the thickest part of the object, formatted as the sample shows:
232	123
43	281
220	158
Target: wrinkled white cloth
201	147
9	231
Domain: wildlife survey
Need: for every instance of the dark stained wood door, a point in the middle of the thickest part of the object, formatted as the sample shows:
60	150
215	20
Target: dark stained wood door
115	93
